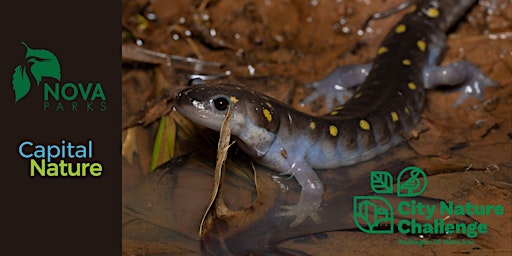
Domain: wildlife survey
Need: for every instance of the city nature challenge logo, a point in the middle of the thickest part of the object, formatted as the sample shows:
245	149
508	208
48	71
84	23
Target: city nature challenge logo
375	214
42	67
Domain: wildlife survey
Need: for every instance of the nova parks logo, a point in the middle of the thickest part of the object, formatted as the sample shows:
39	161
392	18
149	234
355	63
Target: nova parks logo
42	67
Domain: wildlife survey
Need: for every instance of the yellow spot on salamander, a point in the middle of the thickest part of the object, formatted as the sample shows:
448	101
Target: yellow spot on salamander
364	124
333	113
432	12
312	125
400	29
267	114
412	8
233	99
394	116
406	62
284	153
406	109
269	105
411	86
421	45
358	95
339	108
333	130
382	49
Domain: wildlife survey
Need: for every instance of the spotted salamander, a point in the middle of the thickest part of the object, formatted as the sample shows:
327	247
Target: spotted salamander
387	102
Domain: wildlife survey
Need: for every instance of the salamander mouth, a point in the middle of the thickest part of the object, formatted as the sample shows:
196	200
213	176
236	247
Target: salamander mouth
198	112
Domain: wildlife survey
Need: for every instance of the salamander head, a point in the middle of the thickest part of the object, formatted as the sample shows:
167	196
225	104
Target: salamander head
254	121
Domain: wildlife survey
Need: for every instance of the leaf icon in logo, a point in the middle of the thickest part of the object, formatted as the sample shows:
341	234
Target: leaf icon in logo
39	63
381	182
20	82
44	63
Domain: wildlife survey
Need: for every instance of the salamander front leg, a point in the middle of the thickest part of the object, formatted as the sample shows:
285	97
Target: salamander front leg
335	85
310	196
462	73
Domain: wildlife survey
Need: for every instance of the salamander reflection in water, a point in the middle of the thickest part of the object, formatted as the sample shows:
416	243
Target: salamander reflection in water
387	102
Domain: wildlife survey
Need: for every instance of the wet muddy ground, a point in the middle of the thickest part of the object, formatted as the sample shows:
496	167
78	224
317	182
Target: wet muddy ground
276	47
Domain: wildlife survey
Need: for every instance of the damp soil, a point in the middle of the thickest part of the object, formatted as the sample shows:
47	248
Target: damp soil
278	46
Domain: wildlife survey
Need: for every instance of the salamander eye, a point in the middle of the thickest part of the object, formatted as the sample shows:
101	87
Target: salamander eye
221	103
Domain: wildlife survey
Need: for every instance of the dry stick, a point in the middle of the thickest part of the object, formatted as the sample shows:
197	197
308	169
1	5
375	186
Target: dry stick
222	152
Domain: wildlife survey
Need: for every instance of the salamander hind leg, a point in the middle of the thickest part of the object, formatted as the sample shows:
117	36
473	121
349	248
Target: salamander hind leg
310	196
464	74
335	85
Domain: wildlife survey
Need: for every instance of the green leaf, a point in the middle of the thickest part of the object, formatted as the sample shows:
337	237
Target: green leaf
44	63
381	182
20	82
165	142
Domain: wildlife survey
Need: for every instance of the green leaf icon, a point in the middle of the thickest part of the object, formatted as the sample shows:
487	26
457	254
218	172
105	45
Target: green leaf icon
20	82
381	182
39	63
44	63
